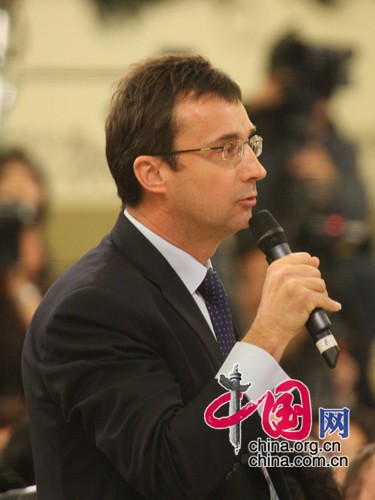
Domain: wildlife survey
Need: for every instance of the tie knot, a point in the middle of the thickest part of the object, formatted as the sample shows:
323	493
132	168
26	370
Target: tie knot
211	287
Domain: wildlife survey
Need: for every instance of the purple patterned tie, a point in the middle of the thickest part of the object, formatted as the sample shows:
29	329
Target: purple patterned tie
216	299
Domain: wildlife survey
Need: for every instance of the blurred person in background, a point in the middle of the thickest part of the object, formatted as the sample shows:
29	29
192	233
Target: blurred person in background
313	186
22	259
16	461
361	433
12	410
17	455
23	203
360	478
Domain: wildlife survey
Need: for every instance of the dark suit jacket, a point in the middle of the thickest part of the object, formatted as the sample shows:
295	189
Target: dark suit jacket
118	368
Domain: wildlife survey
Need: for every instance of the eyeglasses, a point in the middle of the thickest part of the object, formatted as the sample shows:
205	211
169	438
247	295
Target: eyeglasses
231	150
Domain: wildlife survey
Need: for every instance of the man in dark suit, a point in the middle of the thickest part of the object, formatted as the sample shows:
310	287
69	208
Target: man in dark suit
121	359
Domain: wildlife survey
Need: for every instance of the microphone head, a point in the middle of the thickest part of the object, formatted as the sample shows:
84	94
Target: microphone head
266	231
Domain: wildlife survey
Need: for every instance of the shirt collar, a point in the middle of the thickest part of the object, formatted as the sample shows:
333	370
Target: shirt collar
190	271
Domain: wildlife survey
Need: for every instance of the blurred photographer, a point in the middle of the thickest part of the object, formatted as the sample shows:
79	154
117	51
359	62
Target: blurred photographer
22	260
323	203
313	185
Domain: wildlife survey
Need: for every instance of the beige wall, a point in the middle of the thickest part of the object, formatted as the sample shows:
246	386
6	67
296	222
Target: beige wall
63	63
72	230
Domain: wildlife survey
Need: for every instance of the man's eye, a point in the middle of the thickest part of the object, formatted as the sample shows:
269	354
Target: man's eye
229	148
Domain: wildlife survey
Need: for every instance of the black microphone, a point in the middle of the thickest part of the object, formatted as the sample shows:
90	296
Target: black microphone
271	239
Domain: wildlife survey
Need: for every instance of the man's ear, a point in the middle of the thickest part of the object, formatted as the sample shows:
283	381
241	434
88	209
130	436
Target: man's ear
149	172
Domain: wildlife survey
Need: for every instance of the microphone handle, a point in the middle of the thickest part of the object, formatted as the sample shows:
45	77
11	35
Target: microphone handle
318	324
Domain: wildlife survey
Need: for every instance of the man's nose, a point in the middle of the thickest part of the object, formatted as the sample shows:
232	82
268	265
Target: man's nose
254	168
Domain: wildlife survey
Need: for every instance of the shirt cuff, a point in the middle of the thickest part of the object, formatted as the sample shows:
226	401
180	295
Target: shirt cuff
256	366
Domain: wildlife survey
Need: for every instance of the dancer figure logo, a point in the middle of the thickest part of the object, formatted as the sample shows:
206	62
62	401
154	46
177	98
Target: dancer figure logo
280	415
233	384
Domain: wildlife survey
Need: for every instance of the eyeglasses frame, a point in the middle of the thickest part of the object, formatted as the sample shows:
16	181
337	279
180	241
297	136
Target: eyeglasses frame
199	150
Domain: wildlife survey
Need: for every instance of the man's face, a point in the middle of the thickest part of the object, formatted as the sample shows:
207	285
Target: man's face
212	198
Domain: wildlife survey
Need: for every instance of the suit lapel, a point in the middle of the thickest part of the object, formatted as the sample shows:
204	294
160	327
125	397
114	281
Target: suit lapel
149	261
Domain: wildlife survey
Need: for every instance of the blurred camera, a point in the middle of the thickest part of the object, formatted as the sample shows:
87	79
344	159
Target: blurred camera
316	70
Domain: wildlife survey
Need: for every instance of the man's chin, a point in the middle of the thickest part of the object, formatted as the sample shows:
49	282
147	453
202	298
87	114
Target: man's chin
245	219
243	225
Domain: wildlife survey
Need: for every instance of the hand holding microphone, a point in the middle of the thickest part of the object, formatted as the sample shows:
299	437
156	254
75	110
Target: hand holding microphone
292	286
